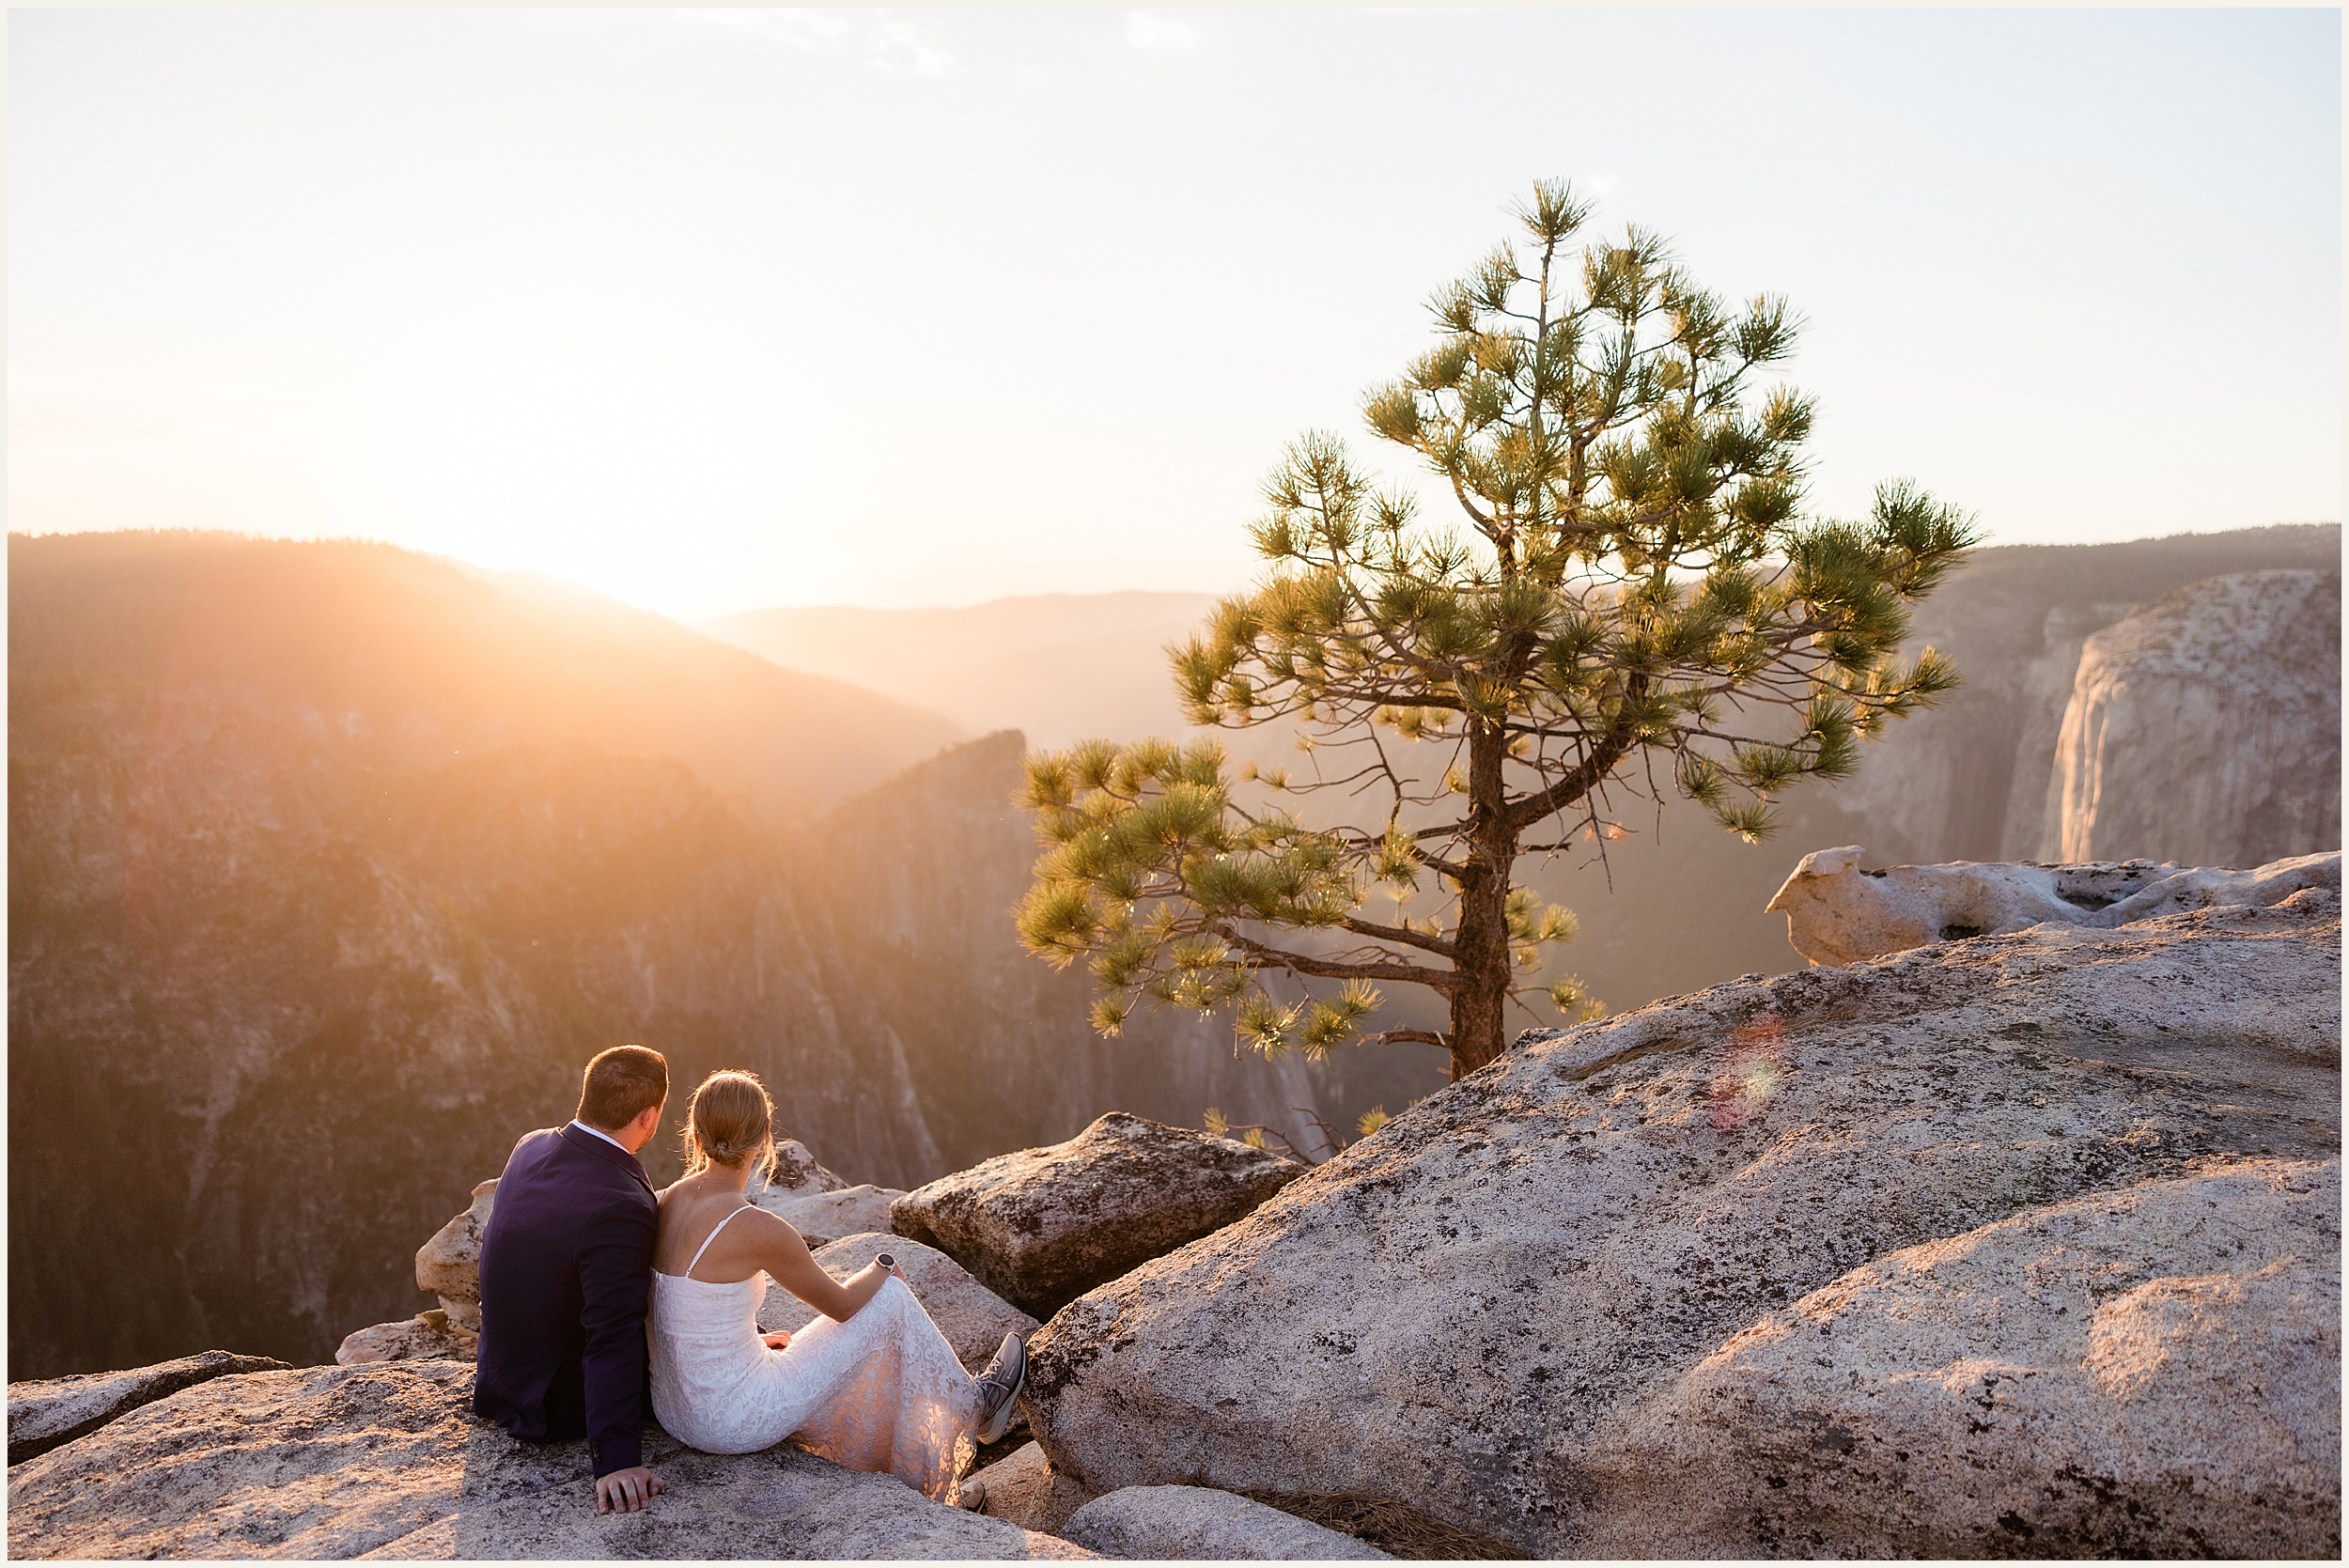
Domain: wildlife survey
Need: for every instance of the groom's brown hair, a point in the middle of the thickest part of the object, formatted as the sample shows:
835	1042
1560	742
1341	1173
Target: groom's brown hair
620	1085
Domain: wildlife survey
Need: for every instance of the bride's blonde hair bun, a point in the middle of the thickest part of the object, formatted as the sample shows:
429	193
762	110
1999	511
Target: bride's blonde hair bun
729	1119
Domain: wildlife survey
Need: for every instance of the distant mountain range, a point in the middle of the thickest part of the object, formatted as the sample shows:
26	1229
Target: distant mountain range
404	659
1057	667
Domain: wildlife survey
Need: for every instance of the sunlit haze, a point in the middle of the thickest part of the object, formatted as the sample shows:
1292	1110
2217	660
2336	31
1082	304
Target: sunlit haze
718	309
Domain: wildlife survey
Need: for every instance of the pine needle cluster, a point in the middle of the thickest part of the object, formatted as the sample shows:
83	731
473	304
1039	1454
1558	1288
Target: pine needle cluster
1627	598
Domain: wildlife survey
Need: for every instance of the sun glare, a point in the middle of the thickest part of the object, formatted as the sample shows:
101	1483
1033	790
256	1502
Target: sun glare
622	474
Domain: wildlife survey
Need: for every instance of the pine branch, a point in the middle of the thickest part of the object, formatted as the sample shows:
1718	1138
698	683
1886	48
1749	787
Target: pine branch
1266	958
1420	939
1523	813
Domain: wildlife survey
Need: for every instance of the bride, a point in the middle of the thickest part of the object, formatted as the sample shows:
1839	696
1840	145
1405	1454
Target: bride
871	1385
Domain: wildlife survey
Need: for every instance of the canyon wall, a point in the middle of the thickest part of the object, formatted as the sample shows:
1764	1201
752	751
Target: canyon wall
918	879
2205	728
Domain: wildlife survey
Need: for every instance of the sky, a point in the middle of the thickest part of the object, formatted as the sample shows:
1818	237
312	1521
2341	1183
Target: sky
723	308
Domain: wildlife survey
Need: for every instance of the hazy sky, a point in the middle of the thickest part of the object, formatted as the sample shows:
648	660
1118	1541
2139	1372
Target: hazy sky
714	309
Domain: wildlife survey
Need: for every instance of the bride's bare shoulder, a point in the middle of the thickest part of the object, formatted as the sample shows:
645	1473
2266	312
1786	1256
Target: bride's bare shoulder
766	1223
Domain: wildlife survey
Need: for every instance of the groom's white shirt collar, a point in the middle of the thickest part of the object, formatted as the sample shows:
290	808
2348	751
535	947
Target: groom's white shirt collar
605	1136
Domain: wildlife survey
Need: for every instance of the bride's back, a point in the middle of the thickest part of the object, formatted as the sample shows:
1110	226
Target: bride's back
695	1208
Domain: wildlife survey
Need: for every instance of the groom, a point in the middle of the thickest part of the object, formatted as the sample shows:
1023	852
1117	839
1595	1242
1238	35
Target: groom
565	1267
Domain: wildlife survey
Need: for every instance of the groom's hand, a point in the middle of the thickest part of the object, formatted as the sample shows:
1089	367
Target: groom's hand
626	1491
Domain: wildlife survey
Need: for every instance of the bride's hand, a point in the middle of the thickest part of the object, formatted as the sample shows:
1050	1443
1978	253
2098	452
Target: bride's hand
776	1341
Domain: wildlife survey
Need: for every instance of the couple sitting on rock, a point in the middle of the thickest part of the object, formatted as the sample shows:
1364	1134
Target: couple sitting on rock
589	1283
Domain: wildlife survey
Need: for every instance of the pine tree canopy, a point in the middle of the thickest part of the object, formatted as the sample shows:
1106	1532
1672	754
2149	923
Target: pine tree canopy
1627	598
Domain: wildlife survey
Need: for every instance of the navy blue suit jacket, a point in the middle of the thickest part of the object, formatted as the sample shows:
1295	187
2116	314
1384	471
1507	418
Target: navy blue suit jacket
565	1270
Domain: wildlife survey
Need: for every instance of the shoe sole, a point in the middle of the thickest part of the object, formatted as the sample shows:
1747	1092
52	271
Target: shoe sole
1001	1422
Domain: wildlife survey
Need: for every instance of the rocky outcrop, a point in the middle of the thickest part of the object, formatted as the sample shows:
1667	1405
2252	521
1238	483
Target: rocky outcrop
798	1175
1022	1488
1837	913
449	1265
2205	728
429	1336
1045	1225
818	1204
1501	1309
827	1216
973	1318
2123	1374
387	1461
1195	1523
43	1415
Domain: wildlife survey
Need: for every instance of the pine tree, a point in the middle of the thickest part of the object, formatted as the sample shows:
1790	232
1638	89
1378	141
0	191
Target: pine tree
1629	600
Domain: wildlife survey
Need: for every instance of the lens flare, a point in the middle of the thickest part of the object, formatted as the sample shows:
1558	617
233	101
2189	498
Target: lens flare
1750	1073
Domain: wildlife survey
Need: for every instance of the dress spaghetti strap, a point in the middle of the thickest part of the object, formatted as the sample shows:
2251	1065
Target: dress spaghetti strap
710	1237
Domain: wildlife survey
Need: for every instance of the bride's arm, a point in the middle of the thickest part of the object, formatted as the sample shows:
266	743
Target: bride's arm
784	1255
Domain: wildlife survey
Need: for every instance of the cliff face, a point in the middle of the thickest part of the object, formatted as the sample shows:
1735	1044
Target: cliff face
1968	780
918	880
2205	728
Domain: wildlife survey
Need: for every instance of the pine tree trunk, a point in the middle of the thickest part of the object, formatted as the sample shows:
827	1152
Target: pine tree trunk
1481	944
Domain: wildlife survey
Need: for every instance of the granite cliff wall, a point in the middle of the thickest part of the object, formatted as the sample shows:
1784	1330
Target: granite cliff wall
2205	728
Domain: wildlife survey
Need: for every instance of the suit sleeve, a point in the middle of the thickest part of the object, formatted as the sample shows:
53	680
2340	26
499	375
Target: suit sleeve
614	1279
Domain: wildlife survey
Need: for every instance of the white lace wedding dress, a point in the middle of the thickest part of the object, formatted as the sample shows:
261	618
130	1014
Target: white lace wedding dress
881	1392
